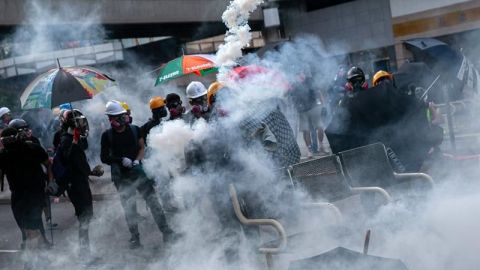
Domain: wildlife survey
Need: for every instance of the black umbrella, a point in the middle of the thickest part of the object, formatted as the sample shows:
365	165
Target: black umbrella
411	75
435	53
342	258
445	61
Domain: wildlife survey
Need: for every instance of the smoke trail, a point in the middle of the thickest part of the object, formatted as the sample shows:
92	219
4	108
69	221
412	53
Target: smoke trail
238	35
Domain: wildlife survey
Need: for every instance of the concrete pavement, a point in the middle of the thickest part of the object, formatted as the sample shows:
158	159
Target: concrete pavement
108	235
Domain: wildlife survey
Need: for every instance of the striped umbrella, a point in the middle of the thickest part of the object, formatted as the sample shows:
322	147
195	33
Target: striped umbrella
198	64
64	85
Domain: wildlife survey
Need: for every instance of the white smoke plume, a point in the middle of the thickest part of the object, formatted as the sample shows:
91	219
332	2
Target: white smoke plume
47	23
440	234
238	35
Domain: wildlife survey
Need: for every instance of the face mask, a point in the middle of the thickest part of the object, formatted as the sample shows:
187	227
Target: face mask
198	110
176	111
82	124
200	104
118	122
24	134
159	113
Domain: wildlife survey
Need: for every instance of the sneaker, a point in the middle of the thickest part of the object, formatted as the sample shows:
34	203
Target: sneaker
134	242
323	151
311	152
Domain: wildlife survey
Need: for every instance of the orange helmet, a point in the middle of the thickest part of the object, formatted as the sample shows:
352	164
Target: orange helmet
156	102
212	91
381	74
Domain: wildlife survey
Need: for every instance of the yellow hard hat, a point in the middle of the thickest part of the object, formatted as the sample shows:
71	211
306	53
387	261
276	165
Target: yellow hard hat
379	75
212	90
156	102
125	105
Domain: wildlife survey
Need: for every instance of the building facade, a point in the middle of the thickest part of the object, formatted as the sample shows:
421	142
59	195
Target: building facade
370	33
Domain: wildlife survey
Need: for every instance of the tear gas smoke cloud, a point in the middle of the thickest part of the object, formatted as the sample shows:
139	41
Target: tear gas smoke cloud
238	35
48	22
167	144
439	235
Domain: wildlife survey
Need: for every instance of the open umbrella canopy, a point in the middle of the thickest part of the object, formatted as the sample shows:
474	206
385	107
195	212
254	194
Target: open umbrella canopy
452	66
416	74
342	258
63	85
198	64
436	54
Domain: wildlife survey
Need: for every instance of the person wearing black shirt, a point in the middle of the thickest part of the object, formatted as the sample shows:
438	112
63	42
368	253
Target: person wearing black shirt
75	181
157	105
123	148
25	133
22	163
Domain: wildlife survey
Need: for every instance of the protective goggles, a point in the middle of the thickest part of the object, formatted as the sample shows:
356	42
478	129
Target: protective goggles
199	101
174	104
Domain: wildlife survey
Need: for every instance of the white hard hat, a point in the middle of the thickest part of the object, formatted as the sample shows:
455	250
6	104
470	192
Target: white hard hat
114	107
196	89
3	111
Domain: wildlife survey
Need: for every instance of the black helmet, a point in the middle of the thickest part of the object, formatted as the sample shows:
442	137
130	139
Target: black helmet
68	117
355	72
172	100
18	124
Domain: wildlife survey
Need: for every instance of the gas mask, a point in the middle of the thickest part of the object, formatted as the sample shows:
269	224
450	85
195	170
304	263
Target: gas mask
199	106
356	84
199	110
24	134
175	109
159	113
176	112
118	121
82	124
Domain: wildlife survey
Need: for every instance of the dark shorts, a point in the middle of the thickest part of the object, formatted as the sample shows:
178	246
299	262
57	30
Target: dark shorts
28	208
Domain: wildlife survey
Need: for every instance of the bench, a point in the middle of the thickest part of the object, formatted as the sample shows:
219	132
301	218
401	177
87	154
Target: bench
323	179
370	166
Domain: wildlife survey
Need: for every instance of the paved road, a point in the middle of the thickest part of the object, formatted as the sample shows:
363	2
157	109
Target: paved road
108	233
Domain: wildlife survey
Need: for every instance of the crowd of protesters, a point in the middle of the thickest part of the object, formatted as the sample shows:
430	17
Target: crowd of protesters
350	112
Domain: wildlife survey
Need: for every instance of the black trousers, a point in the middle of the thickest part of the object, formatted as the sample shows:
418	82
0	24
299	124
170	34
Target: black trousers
127	184
81	197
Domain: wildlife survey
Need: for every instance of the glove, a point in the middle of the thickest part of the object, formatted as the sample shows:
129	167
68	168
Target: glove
97	171
127	163
135	163
52	188
76	135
